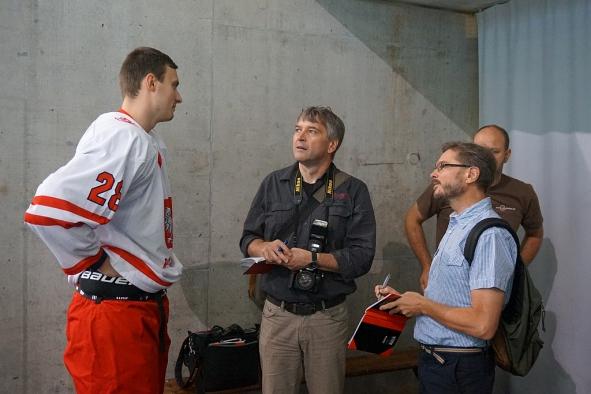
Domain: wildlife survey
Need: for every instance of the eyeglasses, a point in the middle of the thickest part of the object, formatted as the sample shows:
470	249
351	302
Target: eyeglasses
441	165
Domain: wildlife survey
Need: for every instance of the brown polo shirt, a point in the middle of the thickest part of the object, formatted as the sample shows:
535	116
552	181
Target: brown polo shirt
514	200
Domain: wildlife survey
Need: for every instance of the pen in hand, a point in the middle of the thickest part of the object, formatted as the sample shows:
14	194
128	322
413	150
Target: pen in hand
279	250
386	280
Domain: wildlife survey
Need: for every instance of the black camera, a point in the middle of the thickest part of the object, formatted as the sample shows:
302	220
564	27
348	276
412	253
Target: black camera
309	278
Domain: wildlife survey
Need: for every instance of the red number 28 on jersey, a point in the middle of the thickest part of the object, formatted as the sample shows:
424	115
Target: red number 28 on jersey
107	181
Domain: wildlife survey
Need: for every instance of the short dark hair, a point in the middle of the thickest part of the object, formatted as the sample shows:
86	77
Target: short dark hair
139	63
475	156
500	129
324	115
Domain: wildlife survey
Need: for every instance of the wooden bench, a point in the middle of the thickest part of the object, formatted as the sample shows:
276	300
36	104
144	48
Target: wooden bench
356	366
372	364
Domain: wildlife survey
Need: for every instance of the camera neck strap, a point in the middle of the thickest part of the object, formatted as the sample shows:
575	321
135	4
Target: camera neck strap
333	178
298	187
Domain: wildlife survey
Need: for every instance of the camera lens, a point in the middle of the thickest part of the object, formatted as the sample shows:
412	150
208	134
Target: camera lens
305	280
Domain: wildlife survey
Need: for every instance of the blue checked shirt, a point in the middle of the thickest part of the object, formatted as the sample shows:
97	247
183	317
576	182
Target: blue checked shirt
451	279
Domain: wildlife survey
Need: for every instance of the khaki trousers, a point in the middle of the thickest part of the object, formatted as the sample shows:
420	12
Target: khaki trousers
315	343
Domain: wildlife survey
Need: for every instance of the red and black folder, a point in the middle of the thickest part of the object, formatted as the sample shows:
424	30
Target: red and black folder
378	331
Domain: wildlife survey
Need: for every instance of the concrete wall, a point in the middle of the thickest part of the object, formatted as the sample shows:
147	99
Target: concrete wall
404	79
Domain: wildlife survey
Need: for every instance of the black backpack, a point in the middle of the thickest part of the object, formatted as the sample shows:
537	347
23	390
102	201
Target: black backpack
517	342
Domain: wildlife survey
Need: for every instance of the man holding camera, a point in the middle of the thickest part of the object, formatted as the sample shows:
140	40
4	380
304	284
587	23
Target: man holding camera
316	224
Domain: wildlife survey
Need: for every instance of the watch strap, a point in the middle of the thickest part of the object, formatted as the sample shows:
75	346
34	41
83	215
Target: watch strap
314	263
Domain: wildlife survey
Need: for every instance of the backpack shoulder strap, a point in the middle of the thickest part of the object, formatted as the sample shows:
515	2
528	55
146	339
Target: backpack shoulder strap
478	229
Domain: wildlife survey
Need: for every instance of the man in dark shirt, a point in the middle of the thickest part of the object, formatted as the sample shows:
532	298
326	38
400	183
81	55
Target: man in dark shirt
514	200
304	323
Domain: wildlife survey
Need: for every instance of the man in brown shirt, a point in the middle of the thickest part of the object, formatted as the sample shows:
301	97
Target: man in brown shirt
514	200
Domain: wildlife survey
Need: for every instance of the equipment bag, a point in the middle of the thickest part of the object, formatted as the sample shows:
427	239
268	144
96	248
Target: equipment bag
517	342
219	359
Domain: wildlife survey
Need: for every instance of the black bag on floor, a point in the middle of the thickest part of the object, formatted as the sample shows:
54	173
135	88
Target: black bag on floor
219	359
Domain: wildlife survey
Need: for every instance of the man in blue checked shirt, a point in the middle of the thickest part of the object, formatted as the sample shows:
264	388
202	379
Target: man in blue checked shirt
461	308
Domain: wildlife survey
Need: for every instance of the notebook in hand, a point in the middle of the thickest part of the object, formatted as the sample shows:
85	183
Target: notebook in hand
378	331
255	265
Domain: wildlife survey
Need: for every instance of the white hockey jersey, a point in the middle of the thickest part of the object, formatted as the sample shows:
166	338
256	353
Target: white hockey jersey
114	195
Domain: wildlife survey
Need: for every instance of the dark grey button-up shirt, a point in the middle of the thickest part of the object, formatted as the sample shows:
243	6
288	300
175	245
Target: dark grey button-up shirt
351	233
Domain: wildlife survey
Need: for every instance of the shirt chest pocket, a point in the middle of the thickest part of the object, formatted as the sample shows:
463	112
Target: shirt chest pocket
278	215
453	257
338	217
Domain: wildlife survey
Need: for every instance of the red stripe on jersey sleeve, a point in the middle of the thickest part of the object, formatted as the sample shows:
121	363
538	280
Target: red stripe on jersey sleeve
83	264
139	264
45	221
64	205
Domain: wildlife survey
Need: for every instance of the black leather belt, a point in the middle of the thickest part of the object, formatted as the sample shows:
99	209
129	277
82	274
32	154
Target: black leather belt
306	308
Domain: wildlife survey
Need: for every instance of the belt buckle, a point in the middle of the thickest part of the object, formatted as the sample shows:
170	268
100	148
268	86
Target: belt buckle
304	309
430	350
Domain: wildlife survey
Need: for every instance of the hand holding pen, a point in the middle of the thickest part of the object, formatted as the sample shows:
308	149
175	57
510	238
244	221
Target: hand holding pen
280	249
379	289
274	252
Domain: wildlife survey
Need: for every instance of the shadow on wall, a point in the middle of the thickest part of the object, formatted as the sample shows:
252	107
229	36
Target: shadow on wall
403	266
415	42
547	372
398	261
194	283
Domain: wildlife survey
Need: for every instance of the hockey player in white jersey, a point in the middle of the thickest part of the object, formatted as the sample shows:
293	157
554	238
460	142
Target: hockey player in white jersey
106	215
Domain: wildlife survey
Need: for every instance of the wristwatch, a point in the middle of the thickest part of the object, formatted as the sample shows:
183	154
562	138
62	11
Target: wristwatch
314	263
